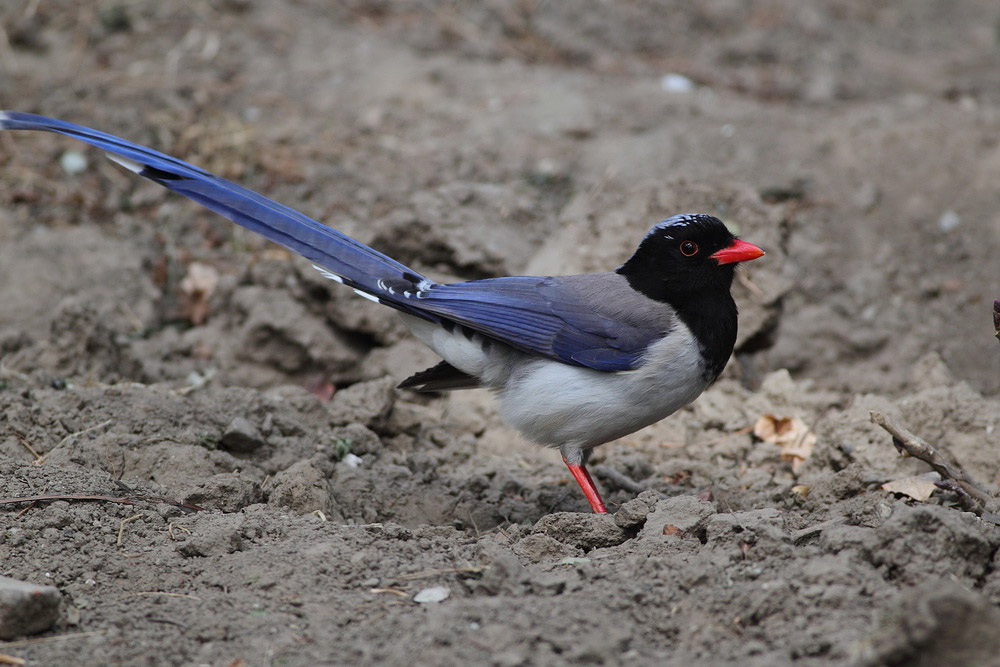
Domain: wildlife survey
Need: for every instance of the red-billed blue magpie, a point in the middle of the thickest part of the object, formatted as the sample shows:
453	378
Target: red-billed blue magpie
575	361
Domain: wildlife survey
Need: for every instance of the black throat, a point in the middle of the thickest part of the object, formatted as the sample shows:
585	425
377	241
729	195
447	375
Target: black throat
709	312
712	318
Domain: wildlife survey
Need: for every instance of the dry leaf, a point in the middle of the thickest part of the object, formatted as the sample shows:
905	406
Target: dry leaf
789	433
919	487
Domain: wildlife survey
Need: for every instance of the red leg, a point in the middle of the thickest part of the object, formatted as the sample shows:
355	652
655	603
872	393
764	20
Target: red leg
582	477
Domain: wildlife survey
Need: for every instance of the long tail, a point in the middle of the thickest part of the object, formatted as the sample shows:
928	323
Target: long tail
338	256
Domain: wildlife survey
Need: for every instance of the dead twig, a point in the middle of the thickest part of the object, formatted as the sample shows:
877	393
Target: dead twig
39	459
6	371
804	533
121	527
124	500
159	594
394	591
470	570
751	286
167	621
972	497
609	475
996	317
89	429
57	638
170	530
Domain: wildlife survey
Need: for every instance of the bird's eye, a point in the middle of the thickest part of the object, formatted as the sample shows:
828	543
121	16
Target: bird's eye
689	248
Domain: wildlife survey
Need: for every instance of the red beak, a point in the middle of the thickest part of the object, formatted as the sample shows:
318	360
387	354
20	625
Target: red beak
739	251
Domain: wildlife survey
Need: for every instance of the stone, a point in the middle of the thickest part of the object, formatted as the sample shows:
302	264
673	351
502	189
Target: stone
241	436
26	608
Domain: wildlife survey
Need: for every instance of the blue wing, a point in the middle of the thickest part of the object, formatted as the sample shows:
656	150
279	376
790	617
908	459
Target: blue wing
543	316
556	317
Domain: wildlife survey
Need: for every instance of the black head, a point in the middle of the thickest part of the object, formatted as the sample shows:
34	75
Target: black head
686	256
688	262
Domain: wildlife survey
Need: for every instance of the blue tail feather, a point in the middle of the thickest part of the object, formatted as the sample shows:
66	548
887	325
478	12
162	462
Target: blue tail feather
540	316
359	266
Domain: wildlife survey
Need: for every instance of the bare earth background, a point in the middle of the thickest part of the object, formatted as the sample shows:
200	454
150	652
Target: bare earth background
152	349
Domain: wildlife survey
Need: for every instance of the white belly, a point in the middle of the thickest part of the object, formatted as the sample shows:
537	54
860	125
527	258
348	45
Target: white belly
579	408
571	407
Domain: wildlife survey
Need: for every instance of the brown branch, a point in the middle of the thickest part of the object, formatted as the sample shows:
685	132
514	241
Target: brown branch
56	638
996	317
612	477
124	500
972	497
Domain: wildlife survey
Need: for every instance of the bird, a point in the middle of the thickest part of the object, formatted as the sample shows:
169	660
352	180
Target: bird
574	361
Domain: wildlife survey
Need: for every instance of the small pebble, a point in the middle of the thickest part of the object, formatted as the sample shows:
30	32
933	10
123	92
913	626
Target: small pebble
435	594
73	162
676	83
949	221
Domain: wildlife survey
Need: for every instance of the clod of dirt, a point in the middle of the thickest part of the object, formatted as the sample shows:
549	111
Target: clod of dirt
357	438
632	514
538	547
211	535
673	516
365	403
746	530
282	333
228	492
303	488
26	608
843	484
437	228
939	623
241	436
916	542
860	539
585	531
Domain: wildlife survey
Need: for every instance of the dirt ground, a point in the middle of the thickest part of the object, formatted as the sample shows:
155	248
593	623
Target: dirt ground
151	350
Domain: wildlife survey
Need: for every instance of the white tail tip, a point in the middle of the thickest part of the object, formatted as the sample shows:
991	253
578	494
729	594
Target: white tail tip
131	165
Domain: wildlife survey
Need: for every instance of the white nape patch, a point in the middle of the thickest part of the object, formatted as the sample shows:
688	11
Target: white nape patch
131	165
4	118
327	274
367	296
